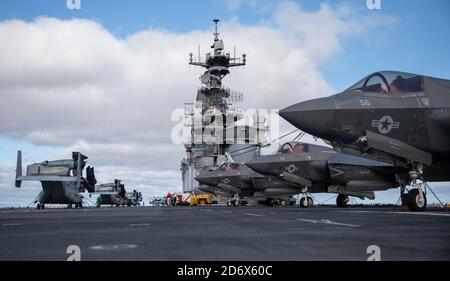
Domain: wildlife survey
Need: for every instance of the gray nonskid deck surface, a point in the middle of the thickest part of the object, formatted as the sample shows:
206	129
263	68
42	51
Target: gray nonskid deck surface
224	233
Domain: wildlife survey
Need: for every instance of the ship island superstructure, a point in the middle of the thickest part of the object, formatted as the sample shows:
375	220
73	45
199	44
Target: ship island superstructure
215	135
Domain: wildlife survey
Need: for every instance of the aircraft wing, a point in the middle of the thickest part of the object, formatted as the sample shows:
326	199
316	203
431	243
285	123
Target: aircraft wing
20	178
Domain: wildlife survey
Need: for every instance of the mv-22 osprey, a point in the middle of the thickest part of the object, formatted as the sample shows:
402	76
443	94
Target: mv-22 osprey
62	180
397	117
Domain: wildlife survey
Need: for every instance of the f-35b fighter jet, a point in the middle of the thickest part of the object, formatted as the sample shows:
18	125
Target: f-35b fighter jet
399	117
239	181
316	169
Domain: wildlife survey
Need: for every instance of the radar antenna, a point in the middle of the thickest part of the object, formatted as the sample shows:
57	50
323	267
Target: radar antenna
216	34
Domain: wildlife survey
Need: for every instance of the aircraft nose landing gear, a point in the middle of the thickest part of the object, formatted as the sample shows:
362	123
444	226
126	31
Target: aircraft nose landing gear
235	201
416	199
342	201
306	201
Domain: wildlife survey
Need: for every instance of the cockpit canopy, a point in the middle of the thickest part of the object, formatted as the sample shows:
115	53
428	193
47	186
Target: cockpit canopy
229	167
390	82
294	148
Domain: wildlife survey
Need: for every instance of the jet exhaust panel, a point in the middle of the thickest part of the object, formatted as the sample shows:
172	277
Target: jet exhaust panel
397	148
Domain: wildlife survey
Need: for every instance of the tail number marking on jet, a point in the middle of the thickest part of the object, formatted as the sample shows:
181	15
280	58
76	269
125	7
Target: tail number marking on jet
385	124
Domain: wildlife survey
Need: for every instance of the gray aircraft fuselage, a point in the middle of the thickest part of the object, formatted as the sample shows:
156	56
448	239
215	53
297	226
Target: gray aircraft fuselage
325	170
404	115
60	193
234	178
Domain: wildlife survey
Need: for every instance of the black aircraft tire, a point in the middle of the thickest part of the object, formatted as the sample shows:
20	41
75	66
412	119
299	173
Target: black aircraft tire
310	202
304	203
413	201
42	206
341	201
283	203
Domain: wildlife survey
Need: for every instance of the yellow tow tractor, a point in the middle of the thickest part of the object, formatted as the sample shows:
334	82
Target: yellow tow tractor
201	200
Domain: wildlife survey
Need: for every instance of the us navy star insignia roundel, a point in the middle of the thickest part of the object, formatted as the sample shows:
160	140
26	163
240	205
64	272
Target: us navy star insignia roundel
385	124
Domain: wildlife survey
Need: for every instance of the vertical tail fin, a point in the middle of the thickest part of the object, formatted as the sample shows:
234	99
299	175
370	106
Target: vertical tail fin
19	169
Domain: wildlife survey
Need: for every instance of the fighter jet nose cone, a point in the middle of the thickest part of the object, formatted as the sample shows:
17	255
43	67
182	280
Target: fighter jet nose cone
312	116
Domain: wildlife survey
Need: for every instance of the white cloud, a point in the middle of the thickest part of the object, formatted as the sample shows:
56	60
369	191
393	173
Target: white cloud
260	6
74	84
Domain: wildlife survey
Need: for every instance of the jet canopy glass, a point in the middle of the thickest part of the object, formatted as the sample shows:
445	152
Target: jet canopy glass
294	148
390	82
229	167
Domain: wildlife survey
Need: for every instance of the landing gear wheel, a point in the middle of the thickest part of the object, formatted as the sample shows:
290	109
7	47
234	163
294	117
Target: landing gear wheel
283	203
310	202
236	203
304	203
229	204
69	206
404	199
42	206
415	202
38	206
342	201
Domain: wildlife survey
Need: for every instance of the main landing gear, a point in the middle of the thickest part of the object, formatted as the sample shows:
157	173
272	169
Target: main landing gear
342	201
236	201
274	202
78	205
306	201
40	206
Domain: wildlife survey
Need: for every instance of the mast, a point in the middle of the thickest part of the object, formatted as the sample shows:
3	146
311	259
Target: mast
212	99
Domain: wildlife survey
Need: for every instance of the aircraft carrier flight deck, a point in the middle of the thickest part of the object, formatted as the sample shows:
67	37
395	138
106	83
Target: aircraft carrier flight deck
224	233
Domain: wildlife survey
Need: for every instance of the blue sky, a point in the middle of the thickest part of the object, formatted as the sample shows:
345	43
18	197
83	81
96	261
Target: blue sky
418	40
418	43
